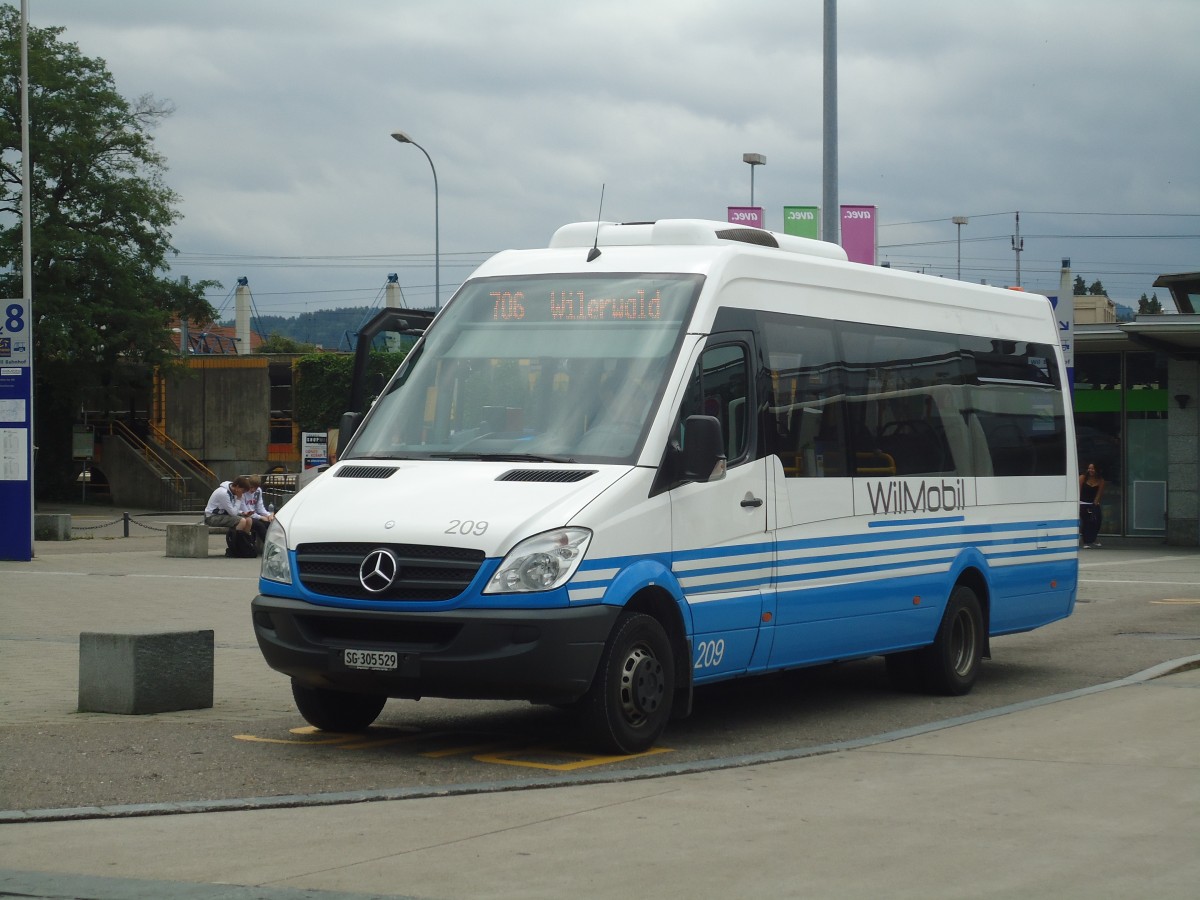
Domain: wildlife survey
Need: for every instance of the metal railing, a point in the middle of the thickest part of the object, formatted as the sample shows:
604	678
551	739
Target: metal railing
172	485
198	468
279	487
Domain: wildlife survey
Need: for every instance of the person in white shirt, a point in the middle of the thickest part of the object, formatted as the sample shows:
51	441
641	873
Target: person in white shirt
260	517
224	509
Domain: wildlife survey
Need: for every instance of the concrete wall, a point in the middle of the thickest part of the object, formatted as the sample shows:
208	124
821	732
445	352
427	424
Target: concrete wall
1183	462
1093	309
220	412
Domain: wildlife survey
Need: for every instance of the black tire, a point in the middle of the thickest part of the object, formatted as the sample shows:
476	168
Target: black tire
337	710
629	702
951	663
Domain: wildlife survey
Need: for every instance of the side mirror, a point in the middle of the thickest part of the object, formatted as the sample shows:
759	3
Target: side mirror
375	384
346	428
703	449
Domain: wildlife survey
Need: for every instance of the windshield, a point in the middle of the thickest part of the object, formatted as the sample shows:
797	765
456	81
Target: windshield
565	367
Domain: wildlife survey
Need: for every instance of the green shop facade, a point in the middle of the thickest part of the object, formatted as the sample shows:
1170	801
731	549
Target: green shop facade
1136	399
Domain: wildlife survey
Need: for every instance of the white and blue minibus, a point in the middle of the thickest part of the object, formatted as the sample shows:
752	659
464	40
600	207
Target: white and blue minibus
660	455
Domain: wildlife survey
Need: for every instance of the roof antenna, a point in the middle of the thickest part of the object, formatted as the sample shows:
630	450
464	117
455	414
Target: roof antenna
594	253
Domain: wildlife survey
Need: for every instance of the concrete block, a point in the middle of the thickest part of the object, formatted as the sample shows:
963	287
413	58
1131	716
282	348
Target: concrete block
135	674
187	540
52	526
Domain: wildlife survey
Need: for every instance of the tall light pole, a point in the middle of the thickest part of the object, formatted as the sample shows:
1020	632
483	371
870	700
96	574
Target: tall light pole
437	249
830	211
960	221
753	159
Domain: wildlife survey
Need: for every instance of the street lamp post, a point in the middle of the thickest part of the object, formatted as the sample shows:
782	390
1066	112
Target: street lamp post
437	250
752	160
960	221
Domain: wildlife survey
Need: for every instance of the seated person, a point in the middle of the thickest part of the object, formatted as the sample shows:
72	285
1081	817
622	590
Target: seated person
223	510
260	517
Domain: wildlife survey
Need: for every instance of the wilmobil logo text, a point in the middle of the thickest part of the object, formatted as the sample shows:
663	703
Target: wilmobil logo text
906	496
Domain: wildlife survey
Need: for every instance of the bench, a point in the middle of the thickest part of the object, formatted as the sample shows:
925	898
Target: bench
190	539
135	674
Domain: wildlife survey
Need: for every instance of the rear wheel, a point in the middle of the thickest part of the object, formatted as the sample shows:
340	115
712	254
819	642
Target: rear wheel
629	702
951	664
337	710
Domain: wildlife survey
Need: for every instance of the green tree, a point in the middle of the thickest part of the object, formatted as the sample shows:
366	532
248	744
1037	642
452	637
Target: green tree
277	343
101	214
1096	289
1080	286
322	387
1149	305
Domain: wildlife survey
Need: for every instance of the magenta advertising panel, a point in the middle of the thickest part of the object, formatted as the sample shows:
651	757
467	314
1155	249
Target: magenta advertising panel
746	215
858	233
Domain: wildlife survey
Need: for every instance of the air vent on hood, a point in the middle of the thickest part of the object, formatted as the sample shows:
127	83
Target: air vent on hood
365	472
556	475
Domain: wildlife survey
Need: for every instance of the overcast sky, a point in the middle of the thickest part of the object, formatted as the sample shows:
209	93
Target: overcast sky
1079	114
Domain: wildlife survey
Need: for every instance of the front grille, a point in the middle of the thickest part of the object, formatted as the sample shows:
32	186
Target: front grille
425	573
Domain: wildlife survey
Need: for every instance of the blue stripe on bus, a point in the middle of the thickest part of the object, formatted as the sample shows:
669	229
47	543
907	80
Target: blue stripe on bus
894	523
988	539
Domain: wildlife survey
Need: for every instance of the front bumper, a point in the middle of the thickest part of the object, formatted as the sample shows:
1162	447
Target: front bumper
547	656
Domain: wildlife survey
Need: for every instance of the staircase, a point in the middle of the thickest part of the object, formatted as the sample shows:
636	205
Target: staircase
153	471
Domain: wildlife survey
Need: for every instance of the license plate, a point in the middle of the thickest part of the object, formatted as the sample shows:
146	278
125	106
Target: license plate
380	660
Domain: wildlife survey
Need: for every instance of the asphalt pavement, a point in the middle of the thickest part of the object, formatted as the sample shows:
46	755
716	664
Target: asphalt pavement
1090	793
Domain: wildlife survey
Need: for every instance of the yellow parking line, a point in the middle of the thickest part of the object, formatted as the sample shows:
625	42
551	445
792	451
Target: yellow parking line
576	760
336	739
503	753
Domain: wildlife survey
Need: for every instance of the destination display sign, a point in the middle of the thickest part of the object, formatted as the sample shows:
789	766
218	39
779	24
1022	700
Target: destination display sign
615	300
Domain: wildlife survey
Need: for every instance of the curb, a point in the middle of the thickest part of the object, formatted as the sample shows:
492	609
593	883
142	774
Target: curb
295	801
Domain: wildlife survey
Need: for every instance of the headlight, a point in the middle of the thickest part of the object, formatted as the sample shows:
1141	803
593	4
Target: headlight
540	563
275	565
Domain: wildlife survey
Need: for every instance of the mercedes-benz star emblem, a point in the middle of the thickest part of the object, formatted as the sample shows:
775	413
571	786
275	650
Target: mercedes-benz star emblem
378	570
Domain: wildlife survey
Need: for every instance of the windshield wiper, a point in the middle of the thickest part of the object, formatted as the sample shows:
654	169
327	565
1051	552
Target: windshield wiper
504	457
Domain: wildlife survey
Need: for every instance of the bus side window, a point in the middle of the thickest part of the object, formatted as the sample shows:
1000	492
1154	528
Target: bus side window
719	387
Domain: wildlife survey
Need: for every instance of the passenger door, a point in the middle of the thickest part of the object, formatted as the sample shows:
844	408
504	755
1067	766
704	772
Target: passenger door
723	554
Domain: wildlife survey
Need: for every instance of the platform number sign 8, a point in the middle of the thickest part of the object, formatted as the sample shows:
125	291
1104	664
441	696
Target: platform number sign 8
14	318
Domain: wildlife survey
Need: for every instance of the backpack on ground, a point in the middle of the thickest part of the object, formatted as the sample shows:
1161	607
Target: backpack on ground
239	543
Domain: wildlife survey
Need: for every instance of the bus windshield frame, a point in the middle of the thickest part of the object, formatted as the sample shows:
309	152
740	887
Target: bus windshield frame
562	368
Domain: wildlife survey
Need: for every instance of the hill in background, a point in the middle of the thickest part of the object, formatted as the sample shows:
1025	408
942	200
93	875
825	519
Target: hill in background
330	329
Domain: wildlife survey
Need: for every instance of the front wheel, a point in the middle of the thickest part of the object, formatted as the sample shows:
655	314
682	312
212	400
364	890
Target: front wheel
337	710
629	702
951	663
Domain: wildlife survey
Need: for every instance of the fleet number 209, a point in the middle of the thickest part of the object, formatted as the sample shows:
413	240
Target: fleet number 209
709	654
466	526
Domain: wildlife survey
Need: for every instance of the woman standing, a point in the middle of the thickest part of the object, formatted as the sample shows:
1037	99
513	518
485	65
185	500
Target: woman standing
1091	489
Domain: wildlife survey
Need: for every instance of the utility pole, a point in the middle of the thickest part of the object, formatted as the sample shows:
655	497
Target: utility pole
960	221
1018	244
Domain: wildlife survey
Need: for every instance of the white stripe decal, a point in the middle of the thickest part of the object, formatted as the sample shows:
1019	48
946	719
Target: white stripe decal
717	560
586	593
720	595
858	577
